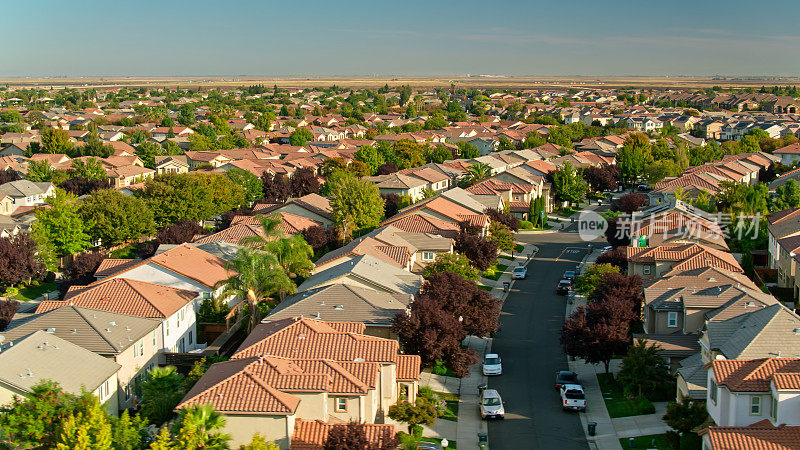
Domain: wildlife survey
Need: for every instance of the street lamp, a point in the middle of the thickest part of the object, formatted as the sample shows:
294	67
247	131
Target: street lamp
445	443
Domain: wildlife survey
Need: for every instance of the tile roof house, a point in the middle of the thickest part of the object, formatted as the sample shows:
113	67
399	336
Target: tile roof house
365	271
26	193
422	223
758	436
783	234
40	356
311	206
399	184
133	342
655	262
676	222
745	391
305	369
765	332
244	226
312	434
345	303
175	308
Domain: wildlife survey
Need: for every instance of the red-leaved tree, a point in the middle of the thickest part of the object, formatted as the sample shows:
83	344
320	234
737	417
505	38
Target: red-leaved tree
353	436
481	251
179	232
304	181
617	256
277	188
316	236
505	218
7	310
629	203
18	260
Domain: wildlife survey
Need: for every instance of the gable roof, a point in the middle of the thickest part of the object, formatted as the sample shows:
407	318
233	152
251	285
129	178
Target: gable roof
96	330
44	356
312	434
761	435
366	269
124	296
755	375
758	334
687	256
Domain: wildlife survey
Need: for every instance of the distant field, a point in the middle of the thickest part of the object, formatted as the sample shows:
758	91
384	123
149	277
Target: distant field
416	82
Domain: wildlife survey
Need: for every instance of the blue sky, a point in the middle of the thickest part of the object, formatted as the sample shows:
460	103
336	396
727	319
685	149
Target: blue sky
377	37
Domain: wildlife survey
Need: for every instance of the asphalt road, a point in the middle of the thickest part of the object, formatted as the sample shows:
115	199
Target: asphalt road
528	343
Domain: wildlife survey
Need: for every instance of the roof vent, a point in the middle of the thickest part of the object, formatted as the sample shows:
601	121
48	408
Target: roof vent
74	331
51	330
127	328
749	304
339	307
301	336
796	331
108	330
112	323
358	360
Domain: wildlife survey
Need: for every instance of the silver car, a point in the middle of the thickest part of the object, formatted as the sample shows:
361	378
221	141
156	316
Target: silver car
491	405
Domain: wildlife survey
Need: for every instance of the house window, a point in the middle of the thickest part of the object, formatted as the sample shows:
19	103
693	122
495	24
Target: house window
428	256
206	296
341	404
190	338
755	405
712	392
672	319
773	413
154	338
647	270
166	326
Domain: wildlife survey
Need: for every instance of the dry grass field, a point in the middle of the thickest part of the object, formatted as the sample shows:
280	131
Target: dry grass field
515	83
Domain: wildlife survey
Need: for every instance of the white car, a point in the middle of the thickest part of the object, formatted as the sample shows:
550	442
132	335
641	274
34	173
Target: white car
573	397
519	273
491	405
492	364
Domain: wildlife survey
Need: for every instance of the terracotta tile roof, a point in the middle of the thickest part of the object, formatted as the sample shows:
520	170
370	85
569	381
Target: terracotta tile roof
408	367
313	202
392	254
124	296
421	223
761	435
311	435
789	149
541	166
754	375
305	338
112	265
688	256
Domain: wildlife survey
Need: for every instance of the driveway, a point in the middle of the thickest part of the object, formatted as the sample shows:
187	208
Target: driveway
528	342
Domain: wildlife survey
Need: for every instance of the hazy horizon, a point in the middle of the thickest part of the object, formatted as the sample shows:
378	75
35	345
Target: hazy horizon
515	38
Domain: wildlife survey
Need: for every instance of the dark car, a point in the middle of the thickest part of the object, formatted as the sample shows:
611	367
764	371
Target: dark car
565	377
569	275
564	287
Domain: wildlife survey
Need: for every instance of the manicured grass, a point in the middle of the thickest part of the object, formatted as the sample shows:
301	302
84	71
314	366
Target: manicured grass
657	441
519	248
128	252
33	292
450	444
498	272
616	402
485	288
451	410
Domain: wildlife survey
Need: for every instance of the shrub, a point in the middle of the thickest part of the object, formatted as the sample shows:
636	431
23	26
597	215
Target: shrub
438	368
673	439
691	441
644	406
525	225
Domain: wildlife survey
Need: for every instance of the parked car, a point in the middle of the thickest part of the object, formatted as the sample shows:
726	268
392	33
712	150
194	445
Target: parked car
564	287
423	445
492	364
644	188
606	249
519	273
564	377
572	397
491	405
569	275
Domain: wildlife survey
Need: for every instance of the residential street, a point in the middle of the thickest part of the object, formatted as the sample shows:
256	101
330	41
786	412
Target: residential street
528	342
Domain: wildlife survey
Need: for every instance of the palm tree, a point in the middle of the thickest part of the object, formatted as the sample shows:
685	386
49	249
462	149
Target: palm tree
293	254
257	276
161	393
270	226
198	427
478	172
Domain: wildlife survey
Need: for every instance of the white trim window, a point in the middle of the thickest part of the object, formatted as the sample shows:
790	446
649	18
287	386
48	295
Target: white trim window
341	404
672	319
428	256
755	405
712	392
646	270
773	413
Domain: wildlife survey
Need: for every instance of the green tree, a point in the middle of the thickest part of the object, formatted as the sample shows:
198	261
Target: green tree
252	185
192	196
643	369
439	154
147	152
356	204
33	420
55	141
408	154
686	415
452	262
467	150
86	430
569	184
502	236
61	225
743	198
477	172
300	137
39	171
198	427
787	196
115	218
90	168
126	431
257	277
436	122
259	442
163	441
634	156
592	276
420	412
162	390
369	156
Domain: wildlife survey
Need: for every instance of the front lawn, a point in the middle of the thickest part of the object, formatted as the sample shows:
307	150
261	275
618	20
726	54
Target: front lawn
495	272
519	248
31	292
451	410
616	402
657	441
485	288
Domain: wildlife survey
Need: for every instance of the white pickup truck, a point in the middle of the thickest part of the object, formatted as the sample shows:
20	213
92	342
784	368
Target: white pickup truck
572	397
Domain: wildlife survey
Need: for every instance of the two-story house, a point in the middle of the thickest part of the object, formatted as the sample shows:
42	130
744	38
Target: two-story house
783	233
656	262
133	342
26	193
